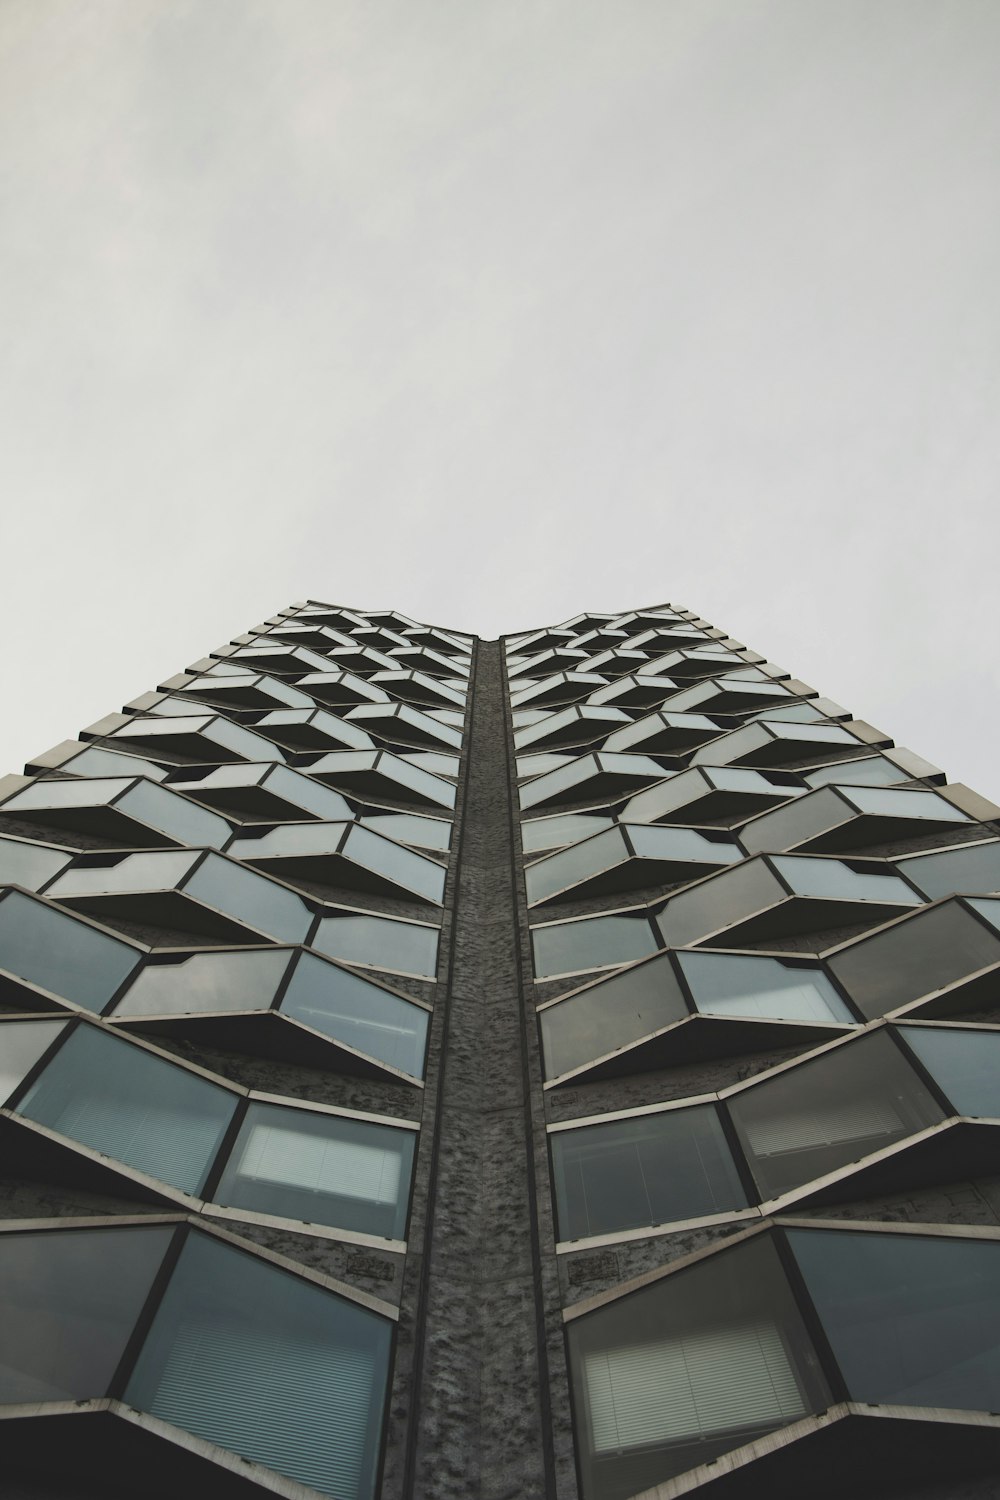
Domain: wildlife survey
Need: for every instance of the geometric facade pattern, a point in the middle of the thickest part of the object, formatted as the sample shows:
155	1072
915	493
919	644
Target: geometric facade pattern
561	1067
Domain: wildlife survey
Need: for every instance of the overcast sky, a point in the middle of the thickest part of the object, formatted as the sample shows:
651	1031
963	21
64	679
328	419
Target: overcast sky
495	311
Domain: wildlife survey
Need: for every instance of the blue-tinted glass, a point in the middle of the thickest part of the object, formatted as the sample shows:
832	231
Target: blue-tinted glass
206	982
323	1169
731	984
360	1014
132	1106
965	1062
381	943
261	903
593	943
604	1017
912	1321
269	1366
51	950
30	865
969	868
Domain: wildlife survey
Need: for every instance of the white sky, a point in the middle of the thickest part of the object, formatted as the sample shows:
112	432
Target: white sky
496	311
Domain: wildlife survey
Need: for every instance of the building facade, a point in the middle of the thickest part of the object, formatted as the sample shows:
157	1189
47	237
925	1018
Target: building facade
562	1068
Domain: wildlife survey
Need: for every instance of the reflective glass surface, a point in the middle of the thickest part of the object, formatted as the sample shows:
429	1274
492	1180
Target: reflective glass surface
360	1014
323	1169
650	1169
574	864
205	982
380	942
241	893
912	1320
812	1119
913	958
969	868
21	1045
50	949
898	802
700	1362
132	1106
414	873
554	833
832	878
408	828
30	865
609	1015
731	984
97	761
136	872
965	1062
69	1300
268	1365
719	902
593	943
175	816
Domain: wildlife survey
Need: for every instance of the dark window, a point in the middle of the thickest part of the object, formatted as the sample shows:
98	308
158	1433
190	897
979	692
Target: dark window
609	1015
914	958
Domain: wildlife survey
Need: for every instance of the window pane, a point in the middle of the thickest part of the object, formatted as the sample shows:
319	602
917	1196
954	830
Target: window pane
965	1062
647	1170
399	947
955	871
831	877
205	982
594	943
729	984
175	816
21	1045
804	1123
699	1363
408	828
51	950
914	958
68	1302
361	1014
912	1321
268	907
411	871
130	1105
324	1169
609	1015
30	865
553	833
719	902
267	1365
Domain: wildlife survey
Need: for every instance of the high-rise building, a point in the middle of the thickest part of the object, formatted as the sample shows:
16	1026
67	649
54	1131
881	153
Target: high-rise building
564	1068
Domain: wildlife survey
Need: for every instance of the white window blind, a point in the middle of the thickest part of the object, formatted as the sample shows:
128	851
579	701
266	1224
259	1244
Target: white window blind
705	1382
346	1169
825	1125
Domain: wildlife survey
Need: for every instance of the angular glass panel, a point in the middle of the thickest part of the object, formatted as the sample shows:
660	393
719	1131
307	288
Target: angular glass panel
322	1169
554	833
30	865
251	898
408	828
136	872
652	841
64	793
320	800
814	876
412	871
970	867
718	902
647	1170
268	1365
209	982
801	1124
912	1320
287	838
175	816
128	1104
897	802
990	910
591	943
964	1061
380	942
49	949
574	864
69	1300
612	1014
874	769
700	1362
21	1045
364	1016
100	762
731	984
914	958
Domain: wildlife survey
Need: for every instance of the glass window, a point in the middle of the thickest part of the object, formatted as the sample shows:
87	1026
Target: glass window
990	910
970	867
912	1320
719	901
126	1103
801	1124
554	833
100	762
358	1013
610	1015
874	769
175	816
49	949
380	942
136	872
406	869
575	864
651	841
700	1362
268	1365
965	1062
64	793
814	876
30	865
302	792
68	1302
208	982
914	958
593	943
21	1045
323	1169
897	802
650	1169
250	898
731	984
408	828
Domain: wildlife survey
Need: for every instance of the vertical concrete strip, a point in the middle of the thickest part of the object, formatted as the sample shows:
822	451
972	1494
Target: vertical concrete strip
476	1409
